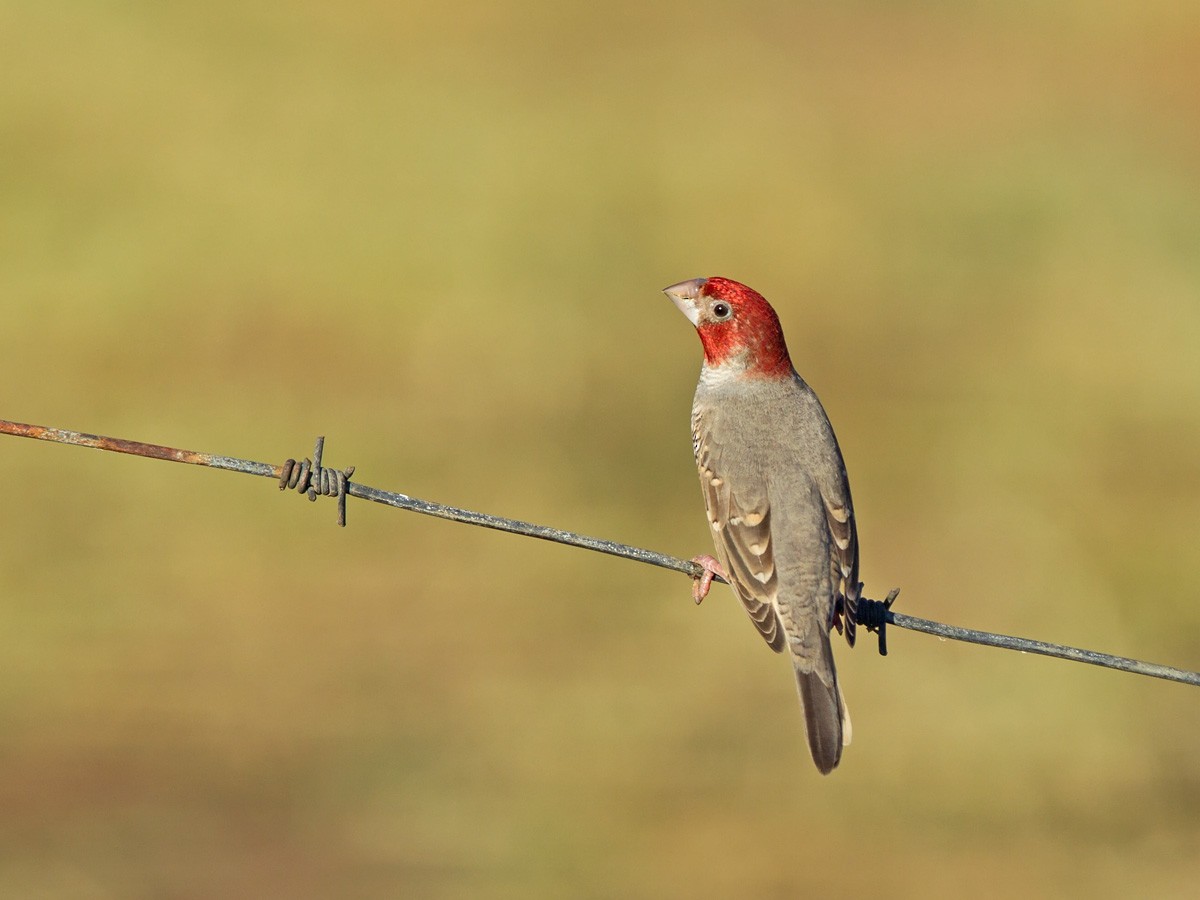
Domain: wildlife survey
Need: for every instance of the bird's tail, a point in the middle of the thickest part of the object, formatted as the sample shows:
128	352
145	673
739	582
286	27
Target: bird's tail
826	719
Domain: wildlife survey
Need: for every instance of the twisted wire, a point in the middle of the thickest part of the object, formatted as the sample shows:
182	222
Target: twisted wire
310	478
874	615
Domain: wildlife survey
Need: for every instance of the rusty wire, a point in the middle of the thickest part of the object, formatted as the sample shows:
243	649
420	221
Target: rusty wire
312	479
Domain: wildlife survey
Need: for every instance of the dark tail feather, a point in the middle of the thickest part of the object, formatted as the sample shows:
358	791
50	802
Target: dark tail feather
825	717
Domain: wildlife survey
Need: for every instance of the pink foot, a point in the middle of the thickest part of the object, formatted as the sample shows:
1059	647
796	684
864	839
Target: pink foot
702	582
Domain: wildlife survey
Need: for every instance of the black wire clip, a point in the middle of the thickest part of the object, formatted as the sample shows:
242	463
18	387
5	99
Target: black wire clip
874	615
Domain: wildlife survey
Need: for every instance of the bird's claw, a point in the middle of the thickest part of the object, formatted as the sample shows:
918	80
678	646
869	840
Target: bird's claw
702	582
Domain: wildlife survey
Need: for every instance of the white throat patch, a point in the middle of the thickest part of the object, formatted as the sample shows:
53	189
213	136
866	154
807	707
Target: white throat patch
710	376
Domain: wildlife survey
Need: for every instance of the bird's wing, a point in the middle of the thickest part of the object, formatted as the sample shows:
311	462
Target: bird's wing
843	546
740	518
803	546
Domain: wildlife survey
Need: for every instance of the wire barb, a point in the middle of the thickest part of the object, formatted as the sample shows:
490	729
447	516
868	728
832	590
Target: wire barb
310	478
875	615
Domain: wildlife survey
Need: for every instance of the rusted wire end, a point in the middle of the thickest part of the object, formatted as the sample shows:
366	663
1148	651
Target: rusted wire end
874	615
313	480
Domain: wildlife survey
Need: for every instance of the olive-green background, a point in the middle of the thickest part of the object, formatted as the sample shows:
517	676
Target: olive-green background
437	236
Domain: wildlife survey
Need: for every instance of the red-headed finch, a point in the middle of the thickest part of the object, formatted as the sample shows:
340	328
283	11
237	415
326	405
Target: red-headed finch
777	496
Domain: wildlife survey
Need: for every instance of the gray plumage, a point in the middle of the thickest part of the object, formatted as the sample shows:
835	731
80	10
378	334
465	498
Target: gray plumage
779	507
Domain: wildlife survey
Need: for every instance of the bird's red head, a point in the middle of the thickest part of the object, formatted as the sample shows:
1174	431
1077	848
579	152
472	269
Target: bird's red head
737	326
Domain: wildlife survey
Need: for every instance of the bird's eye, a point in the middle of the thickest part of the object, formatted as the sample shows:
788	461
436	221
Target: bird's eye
721	311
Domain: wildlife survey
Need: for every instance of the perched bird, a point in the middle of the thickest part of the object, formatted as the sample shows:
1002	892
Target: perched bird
777	496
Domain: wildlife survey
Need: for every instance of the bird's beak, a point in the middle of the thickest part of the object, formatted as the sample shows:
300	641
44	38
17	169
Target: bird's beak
684	295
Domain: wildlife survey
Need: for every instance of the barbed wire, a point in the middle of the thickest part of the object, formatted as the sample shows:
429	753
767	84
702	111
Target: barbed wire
312	479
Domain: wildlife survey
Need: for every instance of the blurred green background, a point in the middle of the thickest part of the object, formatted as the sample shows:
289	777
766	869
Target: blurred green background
437	236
